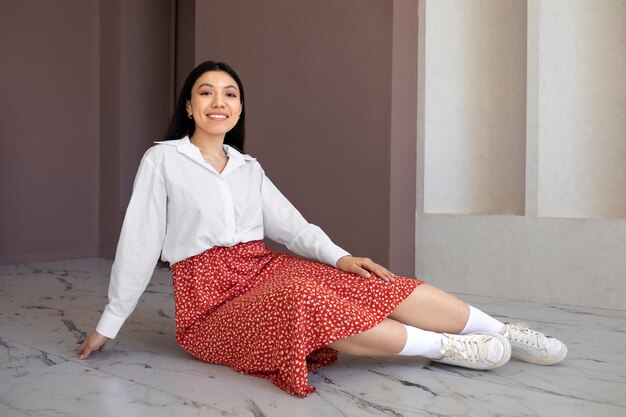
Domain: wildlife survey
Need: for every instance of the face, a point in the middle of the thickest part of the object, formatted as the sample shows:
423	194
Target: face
215	104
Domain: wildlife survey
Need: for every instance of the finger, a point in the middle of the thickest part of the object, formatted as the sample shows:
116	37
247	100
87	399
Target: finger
385	277
378	273
81	347
389	275
86	352
101	348
381	273
379	270
362	271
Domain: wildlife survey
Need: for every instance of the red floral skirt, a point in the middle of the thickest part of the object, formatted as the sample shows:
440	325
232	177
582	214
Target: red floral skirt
271	314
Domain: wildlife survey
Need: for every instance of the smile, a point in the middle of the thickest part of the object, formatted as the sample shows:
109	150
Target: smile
217	116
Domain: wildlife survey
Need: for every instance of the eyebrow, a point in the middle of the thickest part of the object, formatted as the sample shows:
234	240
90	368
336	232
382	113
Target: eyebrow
211	85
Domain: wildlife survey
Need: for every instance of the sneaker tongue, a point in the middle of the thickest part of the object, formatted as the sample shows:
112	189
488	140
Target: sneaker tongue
533	337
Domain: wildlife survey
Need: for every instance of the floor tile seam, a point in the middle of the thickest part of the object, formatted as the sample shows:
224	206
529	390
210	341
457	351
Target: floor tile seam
524	387
547	381
602	371
143	384
545	320
528	389
567	308
545	324
155	344
580	330
16	409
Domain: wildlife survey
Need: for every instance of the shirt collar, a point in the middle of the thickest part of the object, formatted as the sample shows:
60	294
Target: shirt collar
185	146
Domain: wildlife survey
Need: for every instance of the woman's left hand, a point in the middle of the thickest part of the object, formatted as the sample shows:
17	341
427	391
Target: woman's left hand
363	267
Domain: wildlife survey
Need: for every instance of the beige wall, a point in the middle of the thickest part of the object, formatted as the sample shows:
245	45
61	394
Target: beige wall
581	107
48	130
475	117
572	133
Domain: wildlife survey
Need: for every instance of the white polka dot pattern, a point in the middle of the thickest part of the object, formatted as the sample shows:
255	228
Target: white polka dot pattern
271	314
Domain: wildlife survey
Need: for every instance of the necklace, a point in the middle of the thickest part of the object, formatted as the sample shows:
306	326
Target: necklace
213	160
206	153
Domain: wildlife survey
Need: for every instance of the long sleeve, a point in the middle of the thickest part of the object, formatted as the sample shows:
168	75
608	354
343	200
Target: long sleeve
284	224
138	249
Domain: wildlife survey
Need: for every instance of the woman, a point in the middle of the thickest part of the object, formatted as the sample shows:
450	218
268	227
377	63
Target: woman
204	207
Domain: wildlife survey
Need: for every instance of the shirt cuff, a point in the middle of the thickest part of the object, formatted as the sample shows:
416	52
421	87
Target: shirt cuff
331	254
109	324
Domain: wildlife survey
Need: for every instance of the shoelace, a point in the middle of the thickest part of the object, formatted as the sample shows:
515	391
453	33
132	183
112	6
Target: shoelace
521	333
463	349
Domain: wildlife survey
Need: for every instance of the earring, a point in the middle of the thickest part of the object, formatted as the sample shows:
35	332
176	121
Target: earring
190	116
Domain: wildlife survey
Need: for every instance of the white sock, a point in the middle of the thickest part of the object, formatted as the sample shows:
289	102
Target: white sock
481	322
421	343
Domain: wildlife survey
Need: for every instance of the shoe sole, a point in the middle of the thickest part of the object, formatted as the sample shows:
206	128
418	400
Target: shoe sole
505	358
540	360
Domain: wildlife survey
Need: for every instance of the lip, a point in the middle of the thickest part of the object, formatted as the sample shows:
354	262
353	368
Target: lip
217	116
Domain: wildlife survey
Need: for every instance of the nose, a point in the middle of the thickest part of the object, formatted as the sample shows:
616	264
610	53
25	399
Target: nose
218	100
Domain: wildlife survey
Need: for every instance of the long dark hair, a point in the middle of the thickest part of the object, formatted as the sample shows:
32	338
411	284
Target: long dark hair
181	125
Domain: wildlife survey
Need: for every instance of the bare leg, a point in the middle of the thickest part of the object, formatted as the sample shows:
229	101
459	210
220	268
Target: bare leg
387	338
429	308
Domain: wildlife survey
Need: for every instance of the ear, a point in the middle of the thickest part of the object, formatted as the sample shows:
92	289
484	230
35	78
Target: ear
188	106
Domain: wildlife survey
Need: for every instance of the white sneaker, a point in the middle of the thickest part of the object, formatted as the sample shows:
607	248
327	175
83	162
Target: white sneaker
533	347
475	351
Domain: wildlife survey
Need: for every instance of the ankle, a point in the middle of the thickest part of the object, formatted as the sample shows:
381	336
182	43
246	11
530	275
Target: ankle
480	322
421	343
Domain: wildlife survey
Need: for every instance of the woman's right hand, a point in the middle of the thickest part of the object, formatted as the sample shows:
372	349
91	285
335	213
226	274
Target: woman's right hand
95	341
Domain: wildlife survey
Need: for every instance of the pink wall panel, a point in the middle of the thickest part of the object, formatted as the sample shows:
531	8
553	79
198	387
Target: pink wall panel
48	130
318	88
330	96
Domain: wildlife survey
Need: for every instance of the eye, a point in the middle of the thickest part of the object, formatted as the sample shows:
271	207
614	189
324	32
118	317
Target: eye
205	93
233	95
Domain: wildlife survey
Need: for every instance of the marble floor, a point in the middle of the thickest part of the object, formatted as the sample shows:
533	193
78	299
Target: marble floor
46	309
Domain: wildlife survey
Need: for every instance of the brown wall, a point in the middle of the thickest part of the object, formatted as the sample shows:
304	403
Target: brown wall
320	109
329	95
137	95
403	138
48	129
85	91
319	134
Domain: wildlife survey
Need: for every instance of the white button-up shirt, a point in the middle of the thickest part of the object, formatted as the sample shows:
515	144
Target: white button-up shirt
181	206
